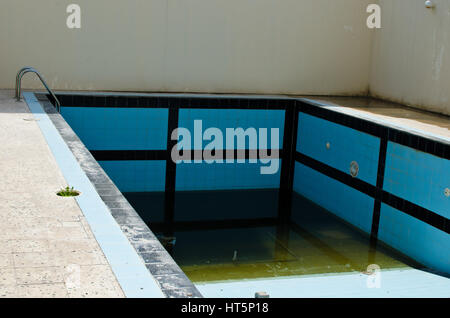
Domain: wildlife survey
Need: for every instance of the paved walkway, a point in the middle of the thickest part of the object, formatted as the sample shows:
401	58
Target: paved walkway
46	246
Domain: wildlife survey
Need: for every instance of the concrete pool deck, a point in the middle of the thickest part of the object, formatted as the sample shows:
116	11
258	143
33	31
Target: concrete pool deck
47	248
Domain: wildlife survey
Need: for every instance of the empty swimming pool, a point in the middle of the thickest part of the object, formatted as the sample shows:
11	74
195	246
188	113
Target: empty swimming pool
340	199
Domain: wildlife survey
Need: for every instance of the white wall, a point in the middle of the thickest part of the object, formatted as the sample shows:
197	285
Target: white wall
251	46
411	54
239	46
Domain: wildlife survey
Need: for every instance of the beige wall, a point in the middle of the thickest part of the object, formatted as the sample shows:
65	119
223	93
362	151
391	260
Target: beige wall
256	46
239	46
411	54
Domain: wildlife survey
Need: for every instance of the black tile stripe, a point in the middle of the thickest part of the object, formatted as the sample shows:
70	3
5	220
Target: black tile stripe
359	124
245	154
224	102
338	175
121	155
398	203
415	141
187	226
169	197
380	184
423	144
416	211
287	165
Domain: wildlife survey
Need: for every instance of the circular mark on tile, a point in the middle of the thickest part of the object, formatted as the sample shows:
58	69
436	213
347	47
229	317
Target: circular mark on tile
328	145
354	169
447	192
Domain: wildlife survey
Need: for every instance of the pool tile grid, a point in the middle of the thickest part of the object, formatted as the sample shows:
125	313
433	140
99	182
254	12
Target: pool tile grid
170	278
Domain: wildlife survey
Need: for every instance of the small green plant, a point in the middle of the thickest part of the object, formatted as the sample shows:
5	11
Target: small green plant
68	192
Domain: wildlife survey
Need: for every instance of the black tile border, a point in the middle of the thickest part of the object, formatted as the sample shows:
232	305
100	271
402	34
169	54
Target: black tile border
423	143
380	184
416	211
163	155
415	140
405	206
122	155
288	164
177	101
386	134
338	175
173	283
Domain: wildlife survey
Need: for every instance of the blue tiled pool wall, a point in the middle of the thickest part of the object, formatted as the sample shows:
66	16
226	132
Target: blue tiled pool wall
398	195
124	129
131	131
221	176
401	176
117	128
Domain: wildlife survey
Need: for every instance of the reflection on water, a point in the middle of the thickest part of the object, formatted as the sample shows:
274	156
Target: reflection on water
208	247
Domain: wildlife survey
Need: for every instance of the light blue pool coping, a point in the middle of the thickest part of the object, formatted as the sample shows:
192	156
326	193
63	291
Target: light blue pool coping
133	276
390	283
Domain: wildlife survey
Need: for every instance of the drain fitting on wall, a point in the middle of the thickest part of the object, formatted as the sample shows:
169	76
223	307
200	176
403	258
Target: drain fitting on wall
447	192
354	169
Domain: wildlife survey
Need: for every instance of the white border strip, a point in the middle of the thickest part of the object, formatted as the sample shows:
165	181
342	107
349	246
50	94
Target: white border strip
129	269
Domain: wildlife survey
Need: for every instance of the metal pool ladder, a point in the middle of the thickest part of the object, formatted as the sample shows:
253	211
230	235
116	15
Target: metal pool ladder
28	69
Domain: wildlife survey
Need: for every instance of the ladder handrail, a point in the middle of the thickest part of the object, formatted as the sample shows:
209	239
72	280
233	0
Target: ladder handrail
19	74
29	69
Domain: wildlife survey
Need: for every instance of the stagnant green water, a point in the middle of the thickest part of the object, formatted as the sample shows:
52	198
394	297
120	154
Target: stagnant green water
209	248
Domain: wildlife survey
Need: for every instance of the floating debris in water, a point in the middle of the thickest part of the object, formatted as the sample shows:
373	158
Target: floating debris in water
167	240
261	295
